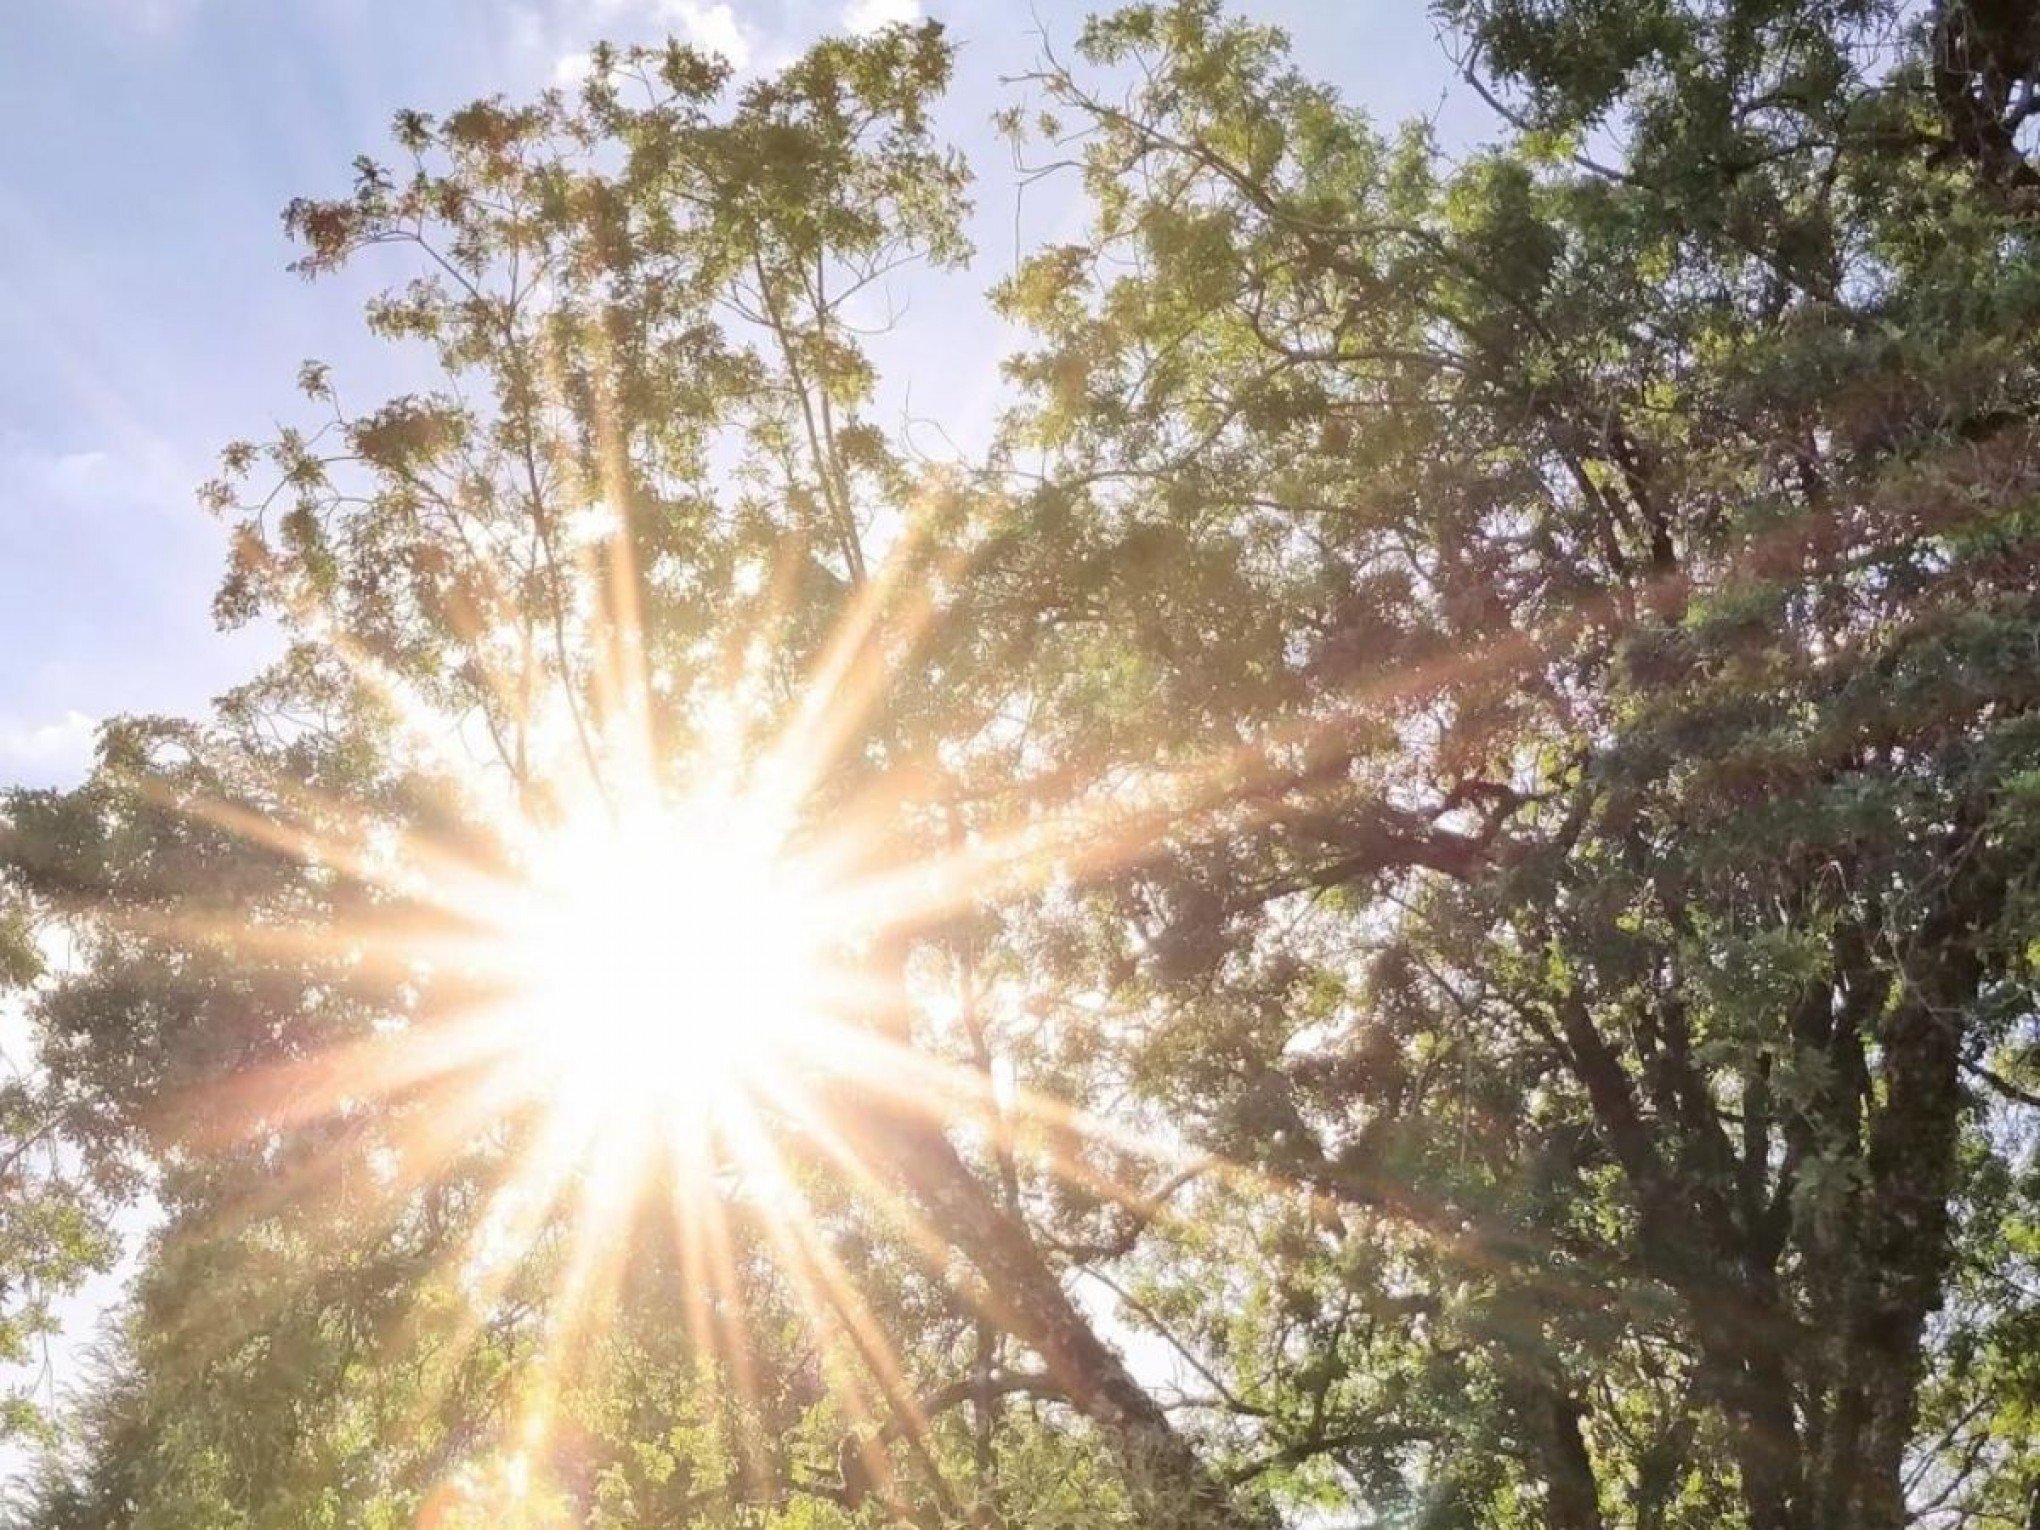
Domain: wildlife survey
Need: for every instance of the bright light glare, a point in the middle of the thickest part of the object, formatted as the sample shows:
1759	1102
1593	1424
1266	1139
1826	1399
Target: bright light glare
664	959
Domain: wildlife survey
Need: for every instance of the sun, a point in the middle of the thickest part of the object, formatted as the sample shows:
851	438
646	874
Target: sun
661	961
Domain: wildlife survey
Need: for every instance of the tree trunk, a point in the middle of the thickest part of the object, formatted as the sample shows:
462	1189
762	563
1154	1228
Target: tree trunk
1901	1251
1170	1486
1756	1396
1572	1499
1901	1261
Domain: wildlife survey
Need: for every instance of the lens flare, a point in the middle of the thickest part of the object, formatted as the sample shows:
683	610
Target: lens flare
657	961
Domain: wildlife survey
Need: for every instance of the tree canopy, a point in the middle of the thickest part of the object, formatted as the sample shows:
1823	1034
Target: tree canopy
1444	827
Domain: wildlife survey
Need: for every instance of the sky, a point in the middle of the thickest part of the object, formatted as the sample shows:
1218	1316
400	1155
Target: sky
147	149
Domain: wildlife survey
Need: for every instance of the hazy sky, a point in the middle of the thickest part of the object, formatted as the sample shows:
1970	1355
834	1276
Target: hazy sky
146	150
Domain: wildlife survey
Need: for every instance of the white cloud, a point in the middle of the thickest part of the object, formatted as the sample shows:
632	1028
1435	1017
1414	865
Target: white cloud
59	747
713	27
38	478
80	472
862	16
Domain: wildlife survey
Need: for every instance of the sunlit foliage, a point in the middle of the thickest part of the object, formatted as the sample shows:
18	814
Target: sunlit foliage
1415	905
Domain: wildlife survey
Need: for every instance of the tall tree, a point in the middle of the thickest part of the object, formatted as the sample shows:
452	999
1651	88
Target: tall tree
1639	540
1447	825
642	508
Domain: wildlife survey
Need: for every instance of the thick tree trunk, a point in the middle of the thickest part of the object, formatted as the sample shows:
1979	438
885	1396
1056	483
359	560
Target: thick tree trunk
1690	1240
1757	1398
1170	1486
1572	1498
1901	1263
1985	54
1900	1256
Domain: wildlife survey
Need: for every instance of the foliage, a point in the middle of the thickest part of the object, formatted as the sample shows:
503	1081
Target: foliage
1537	652
53	1231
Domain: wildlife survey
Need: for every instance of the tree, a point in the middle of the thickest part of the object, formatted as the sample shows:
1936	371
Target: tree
1462	780
1648	545
639	307
53	1234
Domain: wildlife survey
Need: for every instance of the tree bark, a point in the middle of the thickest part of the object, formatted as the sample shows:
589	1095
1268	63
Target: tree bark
1572	1499
1902	1248
1171	1488
1901	1261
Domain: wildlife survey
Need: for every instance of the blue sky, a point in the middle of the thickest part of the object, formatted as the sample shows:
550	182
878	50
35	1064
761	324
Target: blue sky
147	148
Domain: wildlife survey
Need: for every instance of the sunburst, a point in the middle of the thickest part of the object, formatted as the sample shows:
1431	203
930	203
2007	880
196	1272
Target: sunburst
663	971
667	962
658	962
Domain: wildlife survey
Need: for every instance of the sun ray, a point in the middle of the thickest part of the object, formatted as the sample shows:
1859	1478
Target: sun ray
709	1284
714	1295
645	971
938	1259
834	1305
650	965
